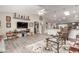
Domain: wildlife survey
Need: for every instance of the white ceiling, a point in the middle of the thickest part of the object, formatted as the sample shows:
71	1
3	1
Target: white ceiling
54	13
23	9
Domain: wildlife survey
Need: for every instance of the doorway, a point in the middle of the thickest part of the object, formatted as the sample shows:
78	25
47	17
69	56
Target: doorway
36	27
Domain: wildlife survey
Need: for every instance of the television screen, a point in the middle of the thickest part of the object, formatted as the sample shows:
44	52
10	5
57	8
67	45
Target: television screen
22	25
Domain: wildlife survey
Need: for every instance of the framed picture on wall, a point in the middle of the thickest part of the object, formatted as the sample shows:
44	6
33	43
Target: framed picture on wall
8	25
8	19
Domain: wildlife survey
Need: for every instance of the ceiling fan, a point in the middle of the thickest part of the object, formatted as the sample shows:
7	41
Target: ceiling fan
42	12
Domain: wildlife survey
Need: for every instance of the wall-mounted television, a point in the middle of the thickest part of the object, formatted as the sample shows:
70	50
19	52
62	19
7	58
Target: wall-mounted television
22	24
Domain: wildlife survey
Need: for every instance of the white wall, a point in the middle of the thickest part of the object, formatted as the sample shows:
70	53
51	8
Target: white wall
3	28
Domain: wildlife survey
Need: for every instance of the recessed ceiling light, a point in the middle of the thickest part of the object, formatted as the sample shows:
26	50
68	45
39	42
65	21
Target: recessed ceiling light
42	12
67	13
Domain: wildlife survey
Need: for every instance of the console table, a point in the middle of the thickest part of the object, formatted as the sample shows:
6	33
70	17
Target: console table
14	35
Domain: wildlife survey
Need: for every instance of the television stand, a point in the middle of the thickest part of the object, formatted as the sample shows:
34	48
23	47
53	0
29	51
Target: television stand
24	32
16	34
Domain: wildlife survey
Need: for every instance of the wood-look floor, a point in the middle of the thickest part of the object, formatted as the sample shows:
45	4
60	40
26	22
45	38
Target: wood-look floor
17	45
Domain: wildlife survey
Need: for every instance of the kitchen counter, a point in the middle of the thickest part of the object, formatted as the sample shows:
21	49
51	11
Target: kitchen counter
73	33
